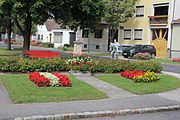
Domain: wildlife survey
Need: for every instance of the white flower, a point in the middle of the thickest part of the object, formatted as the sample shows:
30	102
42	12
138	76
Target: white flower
54	81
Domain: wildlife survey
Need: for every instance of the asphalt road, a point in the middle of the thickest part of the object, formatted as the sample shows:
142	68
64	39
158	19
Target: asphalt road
171	68
172	115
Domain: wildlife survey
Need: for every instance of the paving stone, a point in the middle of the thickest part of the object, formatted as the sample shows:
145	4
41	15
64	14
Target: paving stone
88	114
111	90
49	117
66	116
73	116
18	118
81	115
38	117
27	118
58	117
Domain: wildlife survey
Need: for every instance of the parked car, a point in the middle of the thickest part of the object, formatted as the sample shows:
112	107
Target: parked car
12	41
130	52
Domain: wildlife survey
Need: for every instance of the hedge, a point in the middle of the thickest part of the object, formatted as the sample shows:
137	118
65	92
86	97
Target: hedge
13	64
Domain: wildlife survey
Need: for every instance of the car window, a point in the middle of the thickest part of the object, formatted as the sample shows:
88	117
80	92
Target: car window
136	46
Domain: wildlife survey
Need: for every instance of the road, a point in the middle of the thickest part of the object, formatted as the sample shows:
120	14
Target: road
171	68
172	115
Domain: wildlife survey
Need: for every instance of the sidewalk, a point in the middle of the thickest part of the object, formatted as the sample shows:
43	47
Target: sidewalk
129	104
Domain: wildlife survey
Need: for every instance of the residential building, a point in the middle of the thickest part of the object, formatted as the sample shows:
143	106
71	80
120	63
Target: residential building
151	24
175	44
98	40
53	33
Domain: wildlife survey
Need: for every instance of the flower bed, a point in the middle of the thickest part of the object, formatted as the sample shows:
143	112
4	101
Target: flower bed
80	63
44	79
25	65
142	56
176	59
131	74
139	76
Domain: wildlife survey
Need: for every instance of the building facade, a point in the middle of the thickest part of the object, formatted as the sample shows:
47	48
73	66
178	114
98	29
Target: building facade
98	40
53	33
151	24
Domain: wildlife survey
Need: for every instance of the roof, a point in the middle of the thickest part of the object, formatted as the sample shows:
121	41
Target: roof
176	21
51	24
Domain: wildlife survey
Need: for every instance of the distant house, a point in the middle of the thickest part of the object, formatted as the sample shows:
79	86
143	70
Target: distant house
175	49
98	41
53	33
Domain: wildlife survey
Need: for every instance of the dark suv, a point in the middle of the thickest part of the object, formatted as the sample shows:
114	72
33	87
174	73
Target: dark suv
130	52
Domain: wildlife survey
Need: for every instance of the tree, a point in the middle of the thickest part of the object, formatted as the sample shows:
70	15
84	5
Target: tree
118	12
83	13
6	9
79	13
29	12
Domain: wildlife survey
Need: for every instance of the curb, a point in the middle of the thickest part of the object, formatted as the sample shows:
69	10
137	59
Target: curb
104	113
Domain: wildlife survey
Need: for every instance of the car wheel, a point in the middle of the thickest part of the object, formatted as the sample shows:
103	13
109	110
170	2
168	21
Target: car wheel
153	55
125	56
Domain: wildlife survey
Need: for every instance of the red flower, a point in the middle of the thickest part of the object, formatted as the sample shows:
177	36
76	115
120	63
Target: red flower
131	74
41	81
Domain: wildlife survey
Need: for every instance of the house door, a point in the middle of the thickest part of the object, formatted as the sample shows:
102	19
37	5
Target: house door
159	40
72	38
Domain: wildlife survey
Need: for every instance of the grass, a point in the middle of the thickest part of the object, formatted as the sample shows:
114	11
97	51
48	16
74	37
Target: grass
166	83
100	53
3	51
22	90
164	60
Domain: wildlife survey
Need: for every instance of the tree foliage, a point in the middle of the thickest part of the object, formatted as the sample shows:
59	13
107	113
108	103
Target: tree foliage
74	13
79	13
6	11
118	12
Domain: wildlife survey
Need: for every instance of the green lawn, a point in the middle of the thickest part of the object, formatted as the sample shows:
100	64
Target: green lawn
165	84
100	53
22	90
3	51
164	60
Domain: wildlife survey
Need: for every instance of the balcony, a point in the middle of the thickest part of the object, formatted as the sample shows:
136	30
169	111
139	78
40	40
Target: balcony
160	20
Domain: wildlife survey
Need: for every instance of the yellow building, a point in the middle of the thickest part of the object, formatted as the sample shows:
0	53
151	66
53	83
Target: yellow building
151	24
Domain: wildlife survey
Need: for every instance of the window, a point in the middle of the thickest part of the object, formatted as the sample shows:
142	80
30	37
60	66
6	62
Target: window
58	37
41	37
98	33
139	11
85	33
38	37
97	46
85	46
161	9
138	34
127	34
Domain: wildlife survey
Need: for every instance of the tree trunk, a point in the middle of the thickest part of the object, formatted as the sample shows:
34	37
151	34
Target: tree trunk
27	34
9	34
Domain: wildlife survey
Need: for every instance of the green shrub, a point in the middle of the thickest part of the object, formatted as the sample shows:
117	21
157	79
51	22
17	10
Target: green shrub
114	66
67	49
48	45
12	64
66	45
9	64
142	56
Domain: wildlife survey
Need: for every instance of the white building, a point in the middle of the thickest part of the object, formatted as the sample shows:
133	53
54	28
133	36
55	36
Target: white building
51	32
